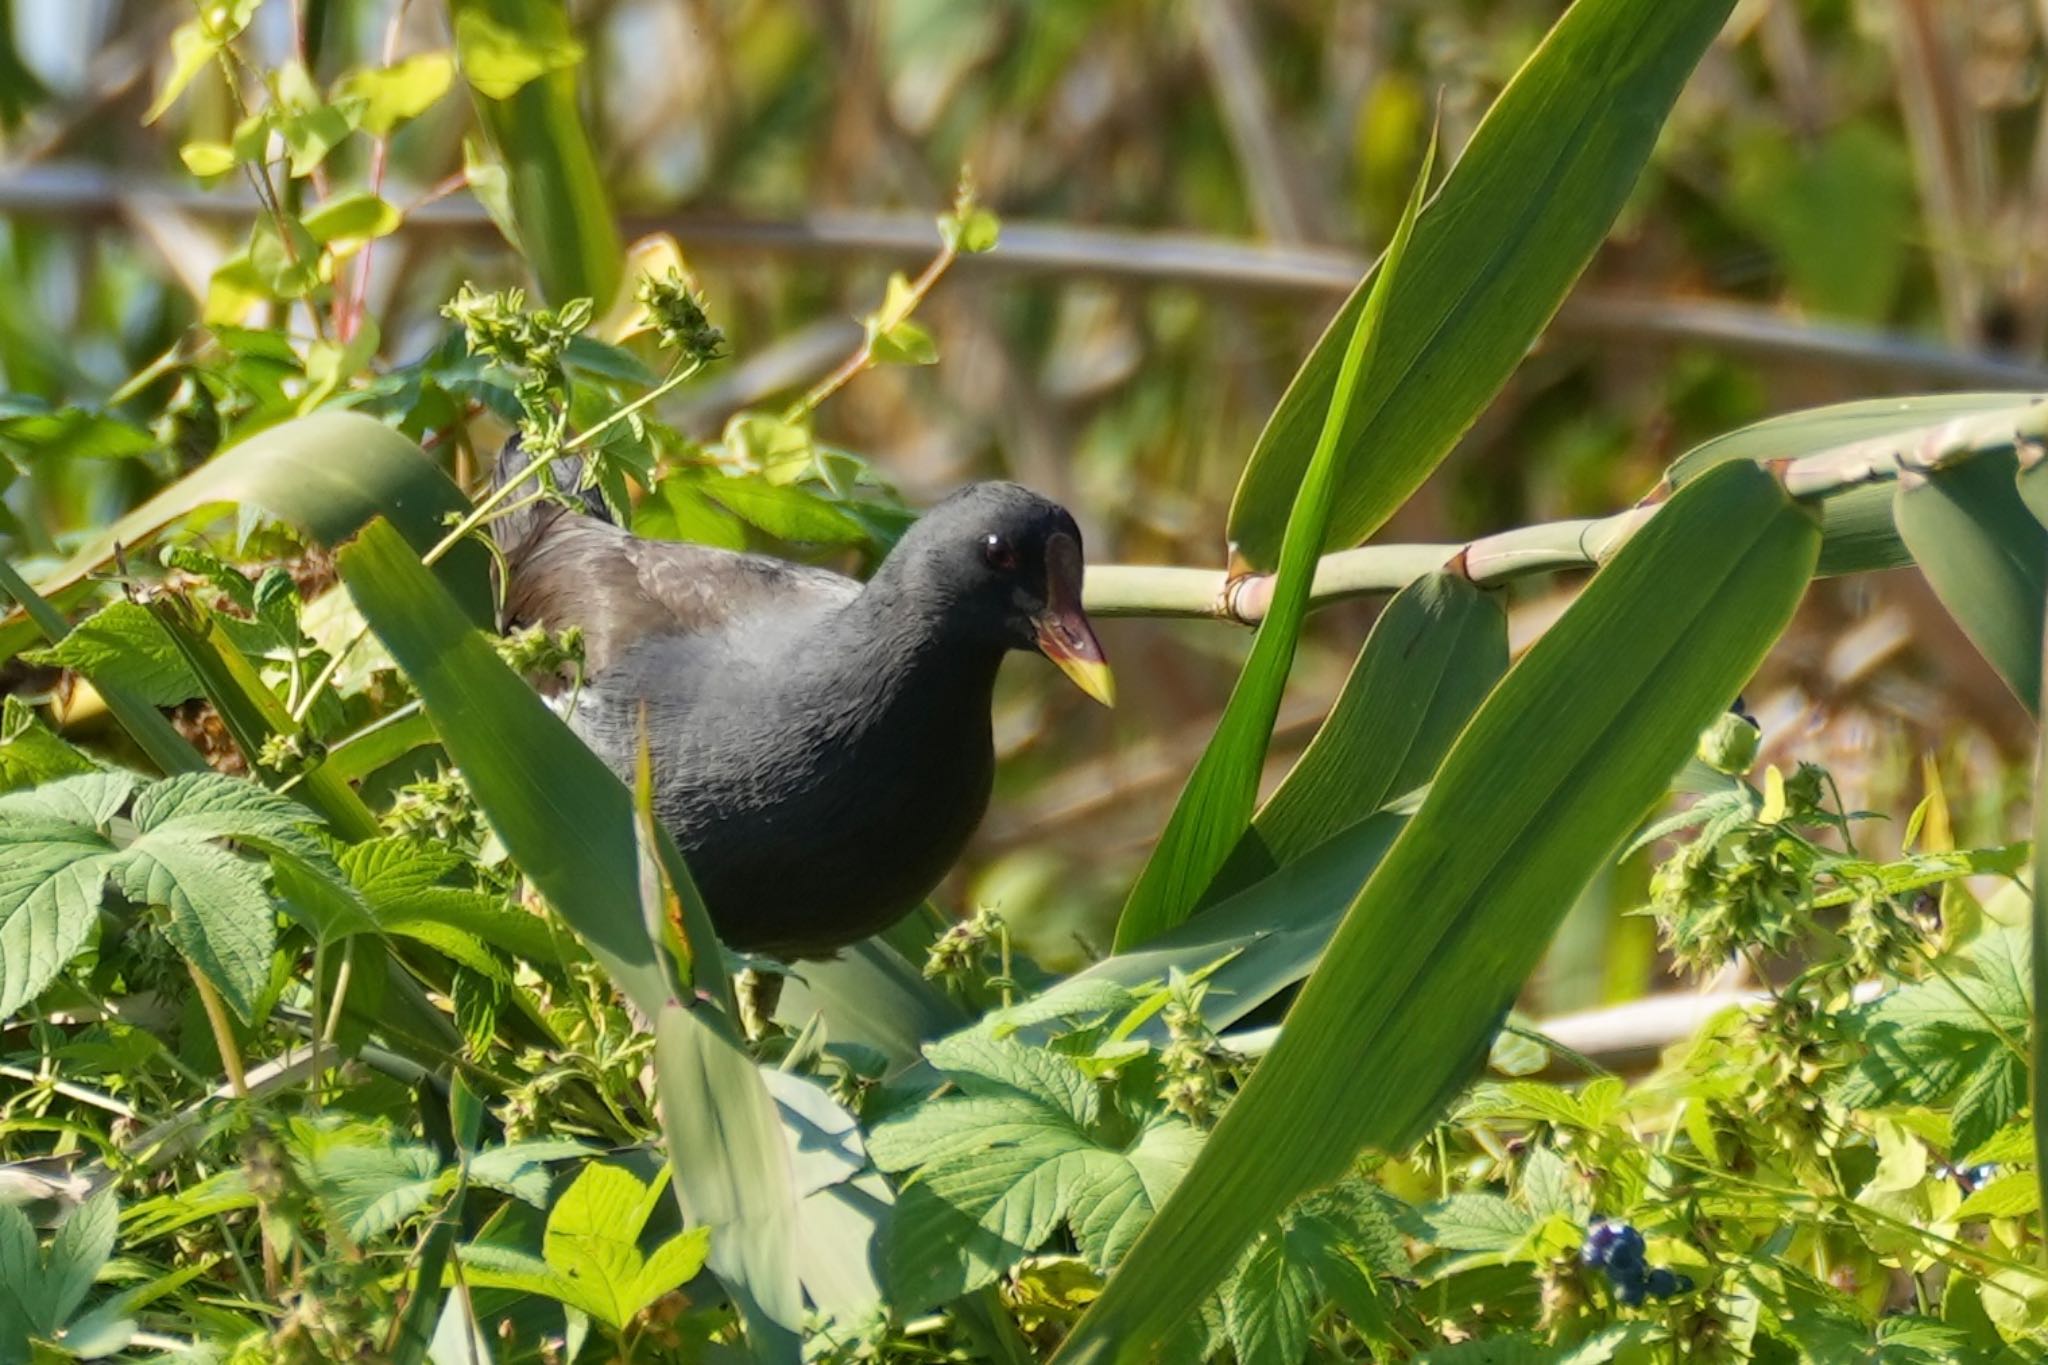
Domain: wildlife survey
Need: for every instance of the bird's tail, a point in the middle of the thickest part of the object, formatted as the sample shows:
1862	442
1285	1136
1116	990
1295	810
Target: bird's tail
513	530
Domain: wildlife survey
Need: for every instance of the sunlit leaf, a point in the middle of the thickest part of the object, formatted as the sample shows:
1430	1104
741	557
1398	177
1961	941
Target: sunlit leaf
392	94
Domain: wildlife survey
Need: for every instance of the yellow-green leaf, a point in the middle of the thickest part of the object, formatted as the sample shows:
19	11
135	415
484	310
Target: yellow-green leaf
348	220
392	94
207	159
194	45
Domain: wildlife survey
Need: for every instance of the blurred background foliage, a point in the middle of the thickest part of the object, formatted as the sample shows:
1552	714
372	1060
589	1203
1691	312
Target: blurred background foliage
1851	200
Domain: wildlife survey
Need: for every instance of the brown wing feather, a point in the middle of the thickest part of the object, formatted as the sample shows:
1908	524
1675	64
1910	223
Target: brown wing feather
620	588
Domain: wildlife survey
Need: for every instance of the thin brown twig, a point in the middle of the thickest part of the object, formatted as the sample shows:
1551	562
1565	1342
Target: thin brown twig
864	355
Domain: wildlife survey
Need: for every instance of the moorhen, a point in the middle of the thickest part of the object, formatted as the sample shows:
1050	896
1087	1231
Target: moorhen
821	747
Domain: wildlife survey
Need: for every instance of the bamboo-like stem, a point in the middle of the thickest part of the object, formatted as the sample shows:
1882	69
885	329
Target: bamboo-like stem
1373	570
1369	571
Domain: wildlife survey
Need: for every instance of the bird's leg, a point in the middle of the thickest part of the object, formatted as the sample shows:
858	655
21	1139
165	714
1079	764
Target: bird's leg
759	992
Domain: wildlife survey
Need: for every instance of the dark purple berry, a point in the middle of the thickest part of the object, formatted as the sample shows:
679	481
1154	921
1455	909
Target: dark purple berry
1663	1284
1629	1292
1625	1254
1599	1241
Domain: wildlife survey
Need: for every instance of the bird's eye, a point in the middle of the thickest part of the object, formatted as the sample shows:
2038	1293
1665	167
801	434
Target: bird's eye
998	553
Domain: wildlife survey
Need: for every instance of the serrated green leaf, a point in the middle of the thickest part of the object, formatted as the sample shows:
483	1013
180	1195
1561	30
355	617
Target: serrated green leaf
221	915
122	643
986	1066
1993	1093
89	800
371	1188
671	1265
1477	1222
1548	1185
31	752
77	1254
520	1168
1110	1212
21	1278
996	1173
592	1239
1267	1305
51	877
940	1130
1360	1217
406	889
215	806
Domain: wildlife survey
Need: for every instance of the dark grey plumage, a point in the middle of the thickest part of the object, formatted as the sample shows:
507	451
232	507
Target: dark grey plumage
821	748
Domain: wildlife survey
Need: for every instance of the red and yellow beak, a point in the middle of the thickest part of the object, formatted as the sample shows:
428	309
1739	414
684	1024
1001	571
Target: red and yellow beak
1064	635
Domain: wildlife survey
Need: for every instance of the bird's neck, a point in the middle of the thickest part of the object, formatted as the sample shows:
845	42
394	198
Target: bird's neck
914	652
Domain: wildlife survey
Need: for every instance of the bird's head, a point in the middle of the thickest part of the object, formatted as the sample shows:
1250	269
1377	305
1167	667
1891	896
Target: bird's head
1006	565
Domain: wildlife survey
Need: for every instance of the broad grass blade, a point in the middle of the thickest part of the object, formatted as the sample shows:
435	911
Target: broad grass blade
732	1173
328	473
1564	759
562	815
1433	655
1985	556
1215	806
875	996
1264	938
556	195
1495	253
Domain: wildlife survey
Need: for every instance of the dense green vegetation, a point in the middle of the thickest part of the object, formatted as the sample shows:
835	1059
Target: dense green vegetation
350	1009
